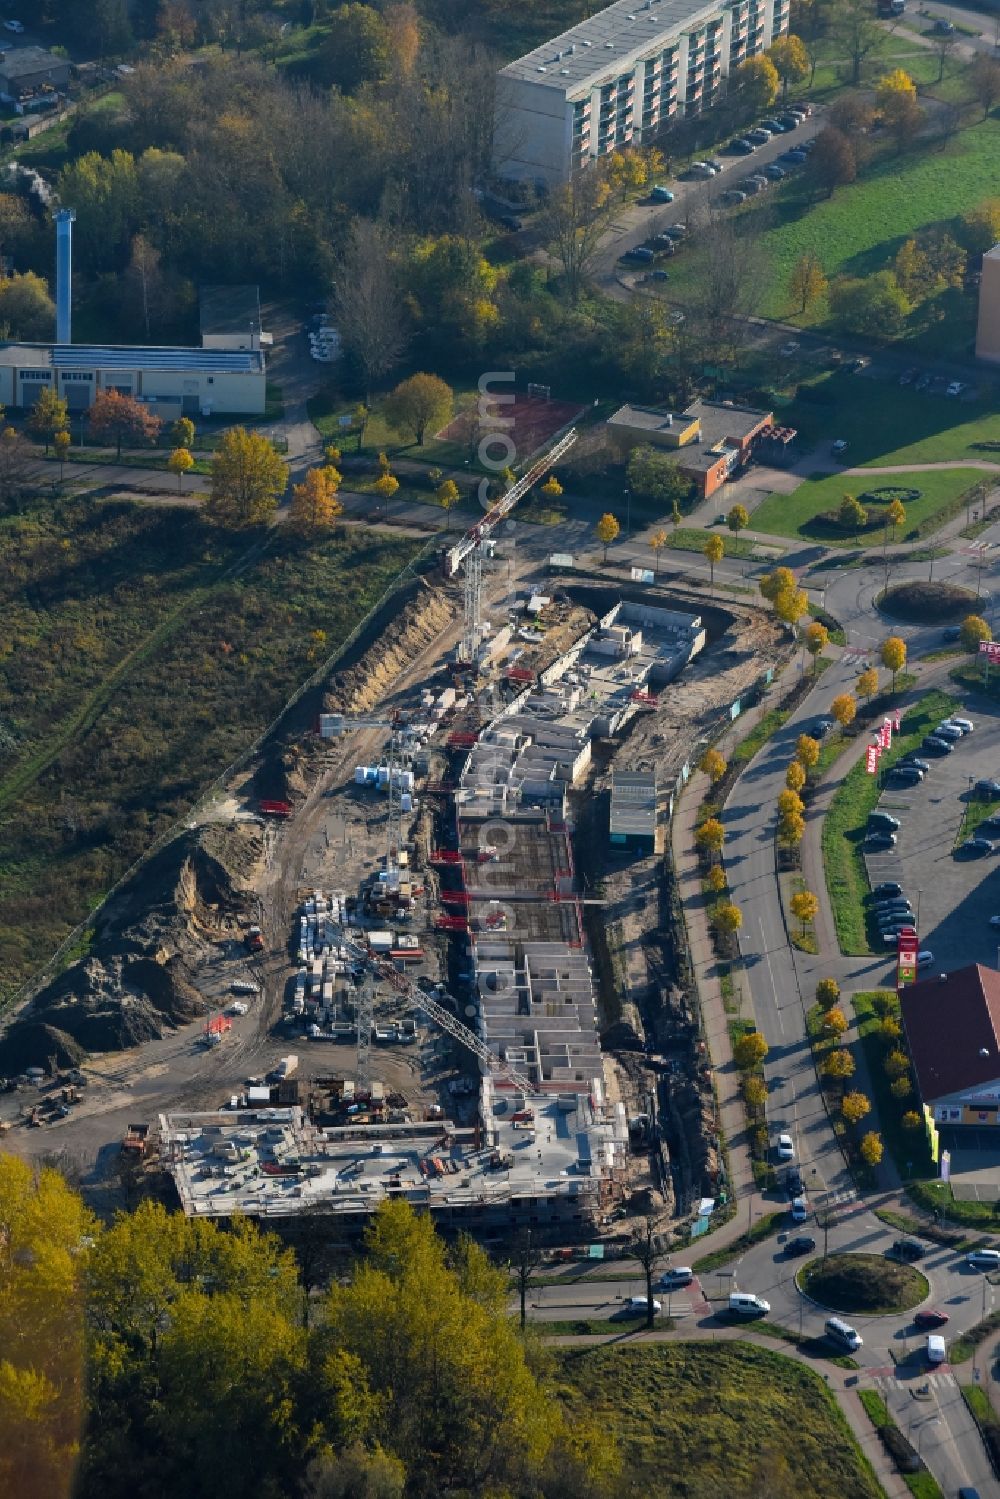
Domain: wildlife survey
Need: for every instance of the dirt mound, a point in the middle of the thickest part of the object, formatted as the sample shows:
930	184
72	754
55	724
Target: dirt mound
367	684
138	979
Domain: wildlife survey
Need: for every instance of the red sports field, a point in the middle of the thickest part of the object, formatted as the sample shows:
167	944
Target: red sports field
528	421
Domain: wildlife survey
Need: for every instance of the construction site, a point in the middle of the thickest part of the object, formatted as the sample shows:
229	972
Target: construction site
449	933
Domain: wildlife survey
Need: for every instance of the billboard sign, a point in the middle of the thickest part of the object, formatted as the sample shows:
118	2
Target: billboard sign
871	758
990	649
907	946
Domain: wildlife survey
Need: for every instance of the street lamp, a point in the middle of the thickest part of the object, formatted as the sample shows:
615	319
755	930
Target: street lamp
628	514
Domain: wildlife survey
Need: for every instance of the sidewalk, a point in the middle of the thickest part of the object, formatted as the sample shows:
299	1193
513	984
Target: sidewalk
715	1021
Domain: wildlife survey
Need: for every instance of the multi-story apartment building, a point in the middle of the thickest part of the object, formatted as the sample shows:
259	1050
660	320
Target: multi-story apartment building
615	79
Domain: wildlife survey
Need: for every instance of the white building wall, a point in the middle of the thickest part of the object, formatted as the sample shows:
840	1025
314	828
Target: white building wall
533	131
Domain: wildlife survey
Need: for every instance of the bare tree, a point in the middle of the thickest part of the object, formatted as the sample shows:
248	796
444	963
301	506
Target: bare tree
524	1264
367	305
984	76
732	274
573	223
855	28
644	1246
944	45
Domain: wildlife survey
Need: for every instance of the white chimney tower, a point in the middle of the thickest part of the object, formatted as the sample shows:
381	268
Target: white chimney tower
64	275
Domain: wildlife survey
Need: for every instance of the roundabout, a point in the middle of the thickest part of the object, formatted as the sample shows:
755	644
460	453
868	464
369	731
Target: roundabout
863	1283
916	602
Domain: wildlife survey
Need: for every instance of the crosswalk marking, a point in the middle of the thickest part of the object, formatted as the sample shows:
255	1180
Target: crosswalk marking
887	1381
851	656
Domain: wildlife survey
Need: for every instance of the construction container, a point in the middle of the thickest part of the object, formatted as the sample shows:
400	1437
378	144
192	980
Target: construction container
405	802
360	775
446	699
380	941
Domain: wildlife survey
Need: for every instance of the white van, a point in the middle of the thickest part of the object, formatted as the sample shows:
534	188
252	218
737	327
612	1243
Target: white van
984	1259
843	1334
745	1304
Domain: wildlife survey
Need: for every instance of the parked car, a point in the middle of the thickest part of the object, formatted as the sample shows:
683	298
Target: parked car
801	1244
929	1316
989	825
676	231
639	253
943	27
888	887
908	1249
658	276
934	746
978	846
857	365
789	121
838	448
953	632
925	958
912	759
760	136
883	820
733	196
880	840
753	185
776	173
512	222
787	350
906	775
661	194
822	726
793	1181
950	731
965	724
786	1148
15	26
923	381
988	788
742	147
795	157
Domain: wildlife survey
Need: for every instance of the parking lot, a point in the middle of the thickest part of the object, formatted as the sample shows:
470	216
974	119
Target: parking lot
953	895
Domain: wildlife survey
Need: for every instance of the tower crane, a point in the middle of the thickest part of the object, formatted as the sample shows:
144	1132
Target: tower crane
468	550
333	726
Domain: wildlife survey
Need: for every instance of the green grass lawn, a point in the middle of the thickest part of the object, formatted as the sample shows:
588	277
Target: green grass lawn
868	1283
689	539
845	822
887	424
696	1419
800	513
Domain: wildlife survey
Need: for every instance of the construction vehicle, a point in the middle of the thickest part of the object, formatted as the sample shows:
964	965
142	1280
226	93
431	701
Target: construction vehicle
254	939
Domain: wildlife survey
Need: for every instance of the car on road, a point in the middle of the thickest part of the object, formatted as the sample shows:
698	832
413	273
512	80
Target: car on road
908	376
943	27
746	1304
800	1209
936	1349
925	958
733	197
801	1244
795	157
908	1249
857	365
842	1334
238	1008
786	1148
635	1306
923	380
932	745
760	136
660	194
977	846
789	121
793	1181
880	840
822	726
953	632
776	173
887	887
838	448
987	788
983	1259
930	1317
675	1277
742	147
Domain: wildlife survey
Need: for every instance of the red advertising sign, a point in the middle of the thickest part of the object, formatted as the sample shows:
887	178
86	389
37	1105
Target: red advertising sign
897	722
871	761
907	945
886	733
990	648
